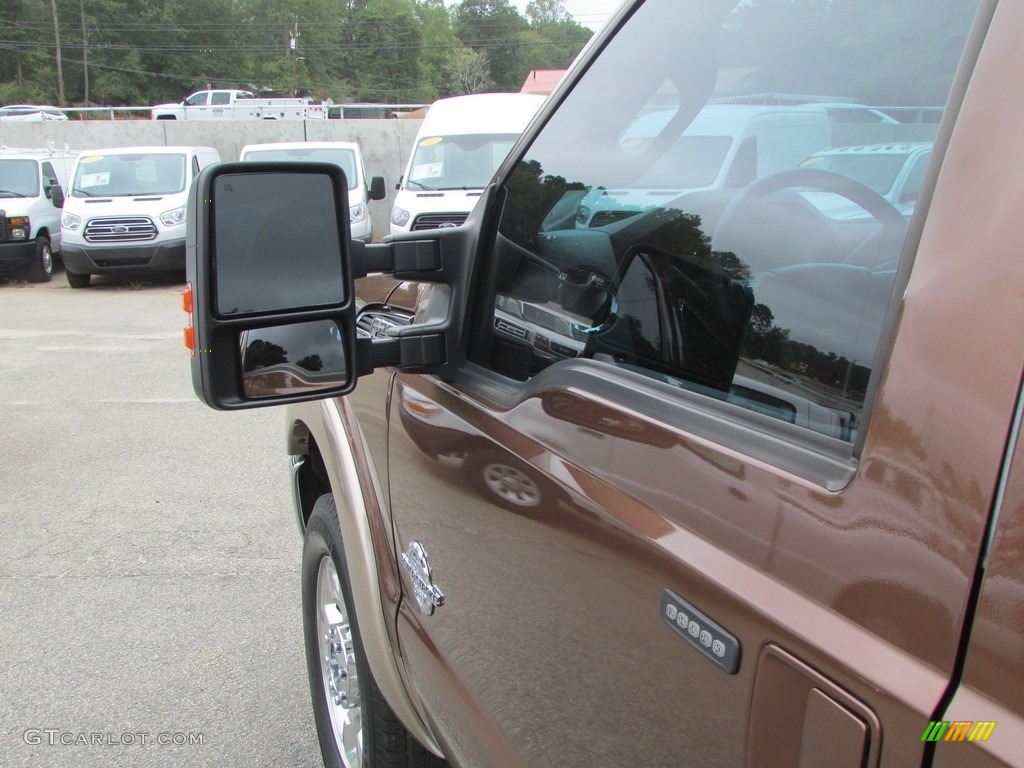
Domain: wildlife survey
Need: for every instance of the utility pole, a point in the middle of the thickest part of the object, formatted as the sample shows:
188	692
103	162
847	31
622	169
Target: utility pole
85	55
293	51
56	42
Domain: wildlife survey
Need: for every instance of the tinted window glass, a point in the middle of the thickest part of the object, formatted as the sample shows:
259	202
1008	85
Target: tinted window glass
664	214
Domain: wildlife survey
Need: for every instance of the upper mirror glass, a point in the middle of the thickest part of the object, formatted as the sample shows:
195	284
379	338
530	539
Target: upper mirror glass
278	242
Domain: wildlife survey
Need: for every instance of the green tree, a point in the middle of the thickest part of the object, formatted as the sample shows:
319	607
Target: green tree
552	44
495	28
387	44
541	12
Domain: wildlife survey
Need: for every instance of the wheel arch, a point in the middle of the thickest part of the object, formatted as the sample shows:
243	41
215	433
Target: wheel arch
328	438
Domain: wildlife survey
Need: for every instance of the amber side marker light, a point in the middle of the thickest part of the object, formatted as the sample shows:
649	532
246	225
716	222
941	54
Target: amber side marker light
190	331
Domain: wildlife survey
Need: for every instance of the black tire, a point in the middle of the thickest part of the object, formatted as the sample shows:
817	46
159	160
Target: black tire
41	269
76	280
384	741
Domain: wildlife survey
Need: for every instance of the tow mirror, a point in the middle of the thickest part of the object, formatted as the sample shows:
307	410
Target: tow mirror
270	299
269	294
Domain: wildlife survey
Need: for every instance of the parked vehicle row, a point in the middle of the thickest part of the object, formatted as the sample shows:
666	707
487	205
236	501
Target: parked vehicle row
122	210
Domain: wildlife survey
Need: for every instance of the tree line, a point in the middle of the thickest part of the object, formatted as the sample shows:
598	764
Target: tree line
140	52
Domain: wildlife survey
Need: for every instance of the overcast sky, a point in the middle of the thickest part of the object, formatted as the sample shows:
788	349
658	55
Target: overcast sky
589	13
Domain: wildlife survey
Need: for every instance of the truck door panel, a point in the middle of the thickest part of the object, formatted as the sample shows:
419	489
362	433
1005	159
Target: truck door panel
578	471
992	687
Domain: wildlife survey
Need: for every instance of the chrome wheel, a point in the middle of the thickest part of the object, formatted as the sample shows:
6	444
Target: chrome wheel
511	485
46	260
338	665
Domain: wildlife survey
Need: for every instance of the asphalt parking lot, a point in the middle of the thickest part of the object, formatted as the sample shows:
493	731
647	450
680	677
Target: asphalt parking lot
149	560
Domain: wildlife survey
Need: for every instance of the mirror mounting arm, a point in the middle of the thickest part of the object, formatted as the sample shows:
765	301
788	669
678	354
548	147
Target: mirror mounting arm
406	352
406	259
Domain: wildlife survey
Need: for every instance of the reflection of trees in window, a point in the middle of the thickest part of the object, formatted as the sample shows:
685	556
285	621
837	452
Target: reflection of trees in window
531	197
262	353
311	363
767	342
672	230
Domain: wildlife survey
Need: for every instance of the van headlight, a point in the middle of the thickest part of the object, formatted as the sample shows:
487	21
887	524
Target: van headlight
18	227
399	216
70	221
357	213
173	217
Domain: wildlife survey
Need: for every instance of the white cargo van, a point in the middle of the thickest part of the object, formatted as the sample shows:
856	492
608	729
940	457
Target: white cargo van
726	146
343	153
125	211
460	145
32	188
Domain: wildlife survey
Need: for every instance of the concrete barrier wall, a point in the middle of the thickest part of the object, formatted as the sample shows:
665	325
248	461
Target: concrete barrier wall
385	144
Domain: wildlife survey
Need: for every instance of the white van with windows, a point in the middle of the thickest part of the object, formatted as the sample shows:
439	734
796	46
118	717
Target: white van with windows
125	211
343	153
460	145
33	183
725	146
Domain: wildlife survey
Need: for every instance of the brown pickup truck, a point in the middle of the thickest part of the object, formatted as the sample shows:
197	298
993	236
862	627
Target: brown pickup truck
727	475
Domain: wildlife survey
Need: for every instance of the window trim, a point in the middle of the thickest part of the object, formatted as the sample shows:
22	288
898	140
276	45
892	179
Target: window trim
827	462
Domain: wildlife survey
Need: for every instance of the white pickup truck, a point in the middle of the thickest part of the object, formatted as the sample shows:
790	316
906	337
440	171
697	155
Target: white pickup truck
238	105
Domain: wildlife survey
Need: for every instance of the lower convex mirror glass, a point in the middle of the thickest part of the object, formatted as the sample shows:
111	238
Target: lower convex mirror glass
291	359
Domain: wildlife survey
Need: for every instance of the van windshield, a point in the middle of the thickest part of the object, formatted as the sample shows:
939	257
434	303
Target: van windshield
458	162
19	178
129	174
345	158
878	171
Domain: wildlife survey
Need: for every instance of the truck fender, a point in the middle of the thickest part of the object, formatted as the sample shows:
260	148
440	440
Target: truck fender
330	428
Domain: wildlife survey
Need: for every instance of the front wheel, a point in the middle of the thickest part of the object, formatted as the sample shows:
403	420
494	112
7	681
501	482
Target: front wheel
76	280
355	726
41	270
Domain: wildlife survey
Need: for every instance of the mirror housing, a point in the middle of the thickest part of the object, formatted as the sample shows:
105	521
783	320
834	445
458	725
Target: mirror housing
270	294
377	190
265	256
56	196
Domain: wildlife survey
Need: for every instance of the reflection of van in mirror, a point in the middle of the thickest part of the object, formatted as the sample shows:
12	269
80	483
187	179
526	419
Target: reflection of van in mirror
125	211
343	153
460	145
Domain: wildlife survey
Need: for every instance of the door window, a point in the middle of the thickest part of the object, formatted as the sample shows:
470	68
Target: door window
662	223
49	178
